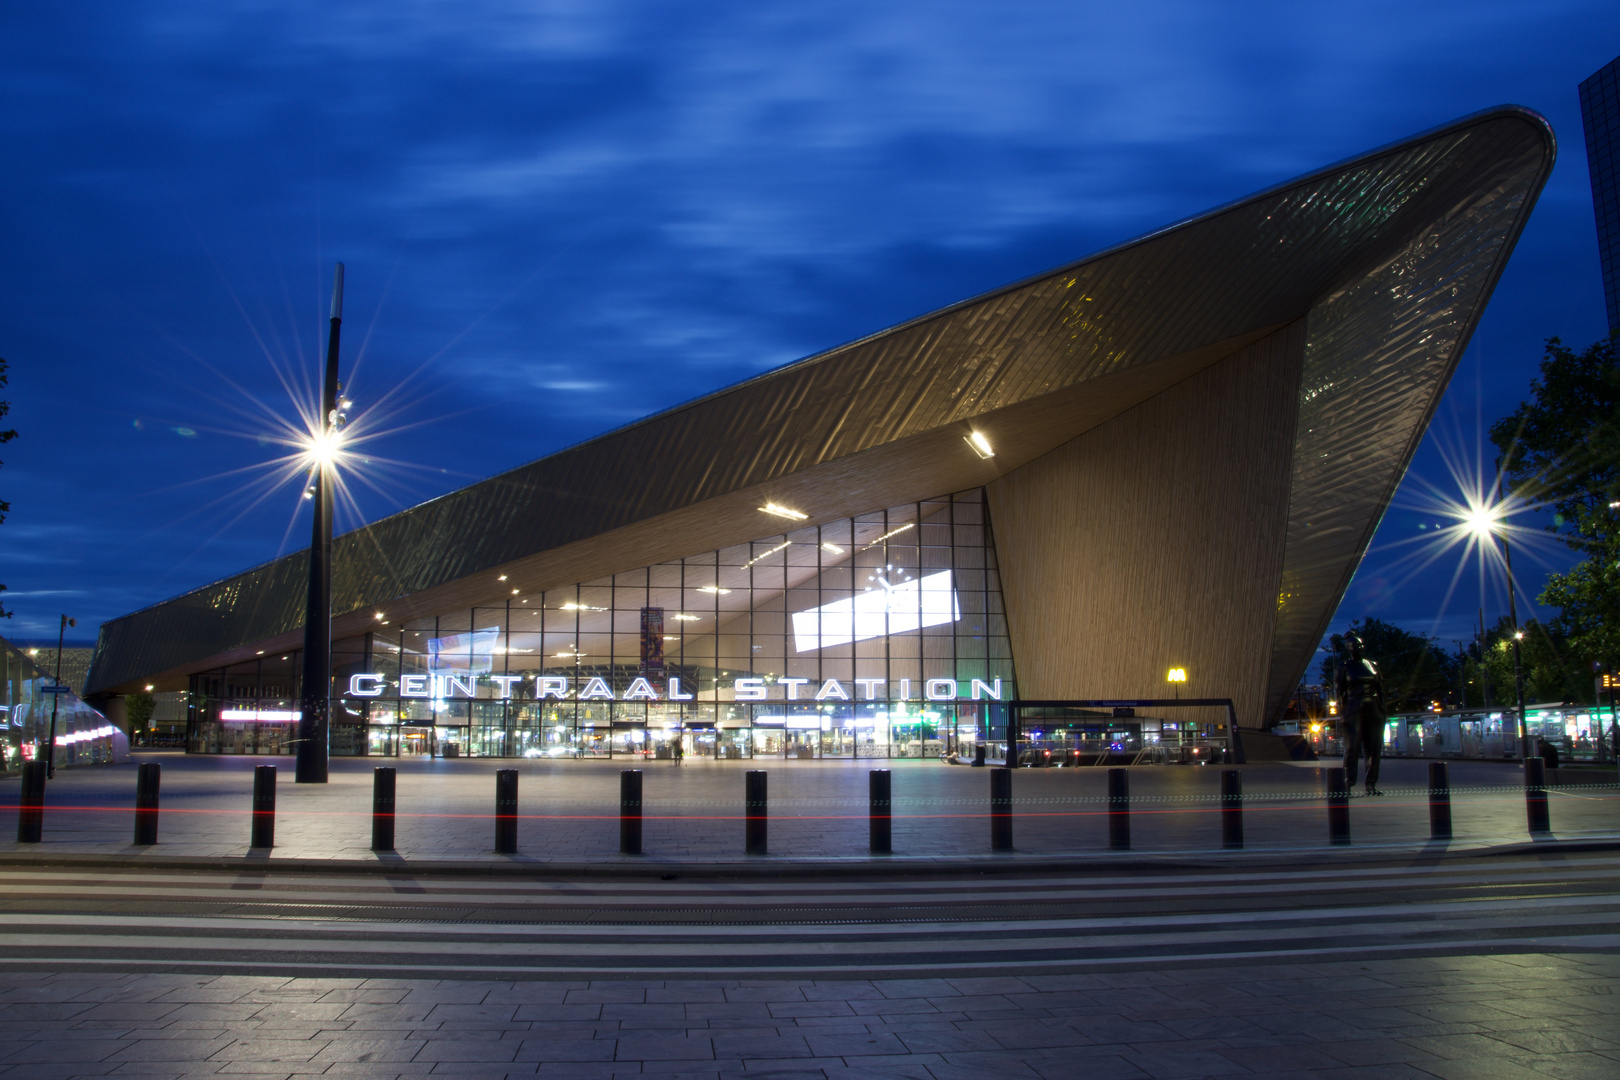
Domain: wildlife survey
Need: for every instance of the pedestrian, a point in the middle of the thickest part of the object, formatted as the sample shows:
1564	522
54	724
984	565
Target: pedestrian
1362	719
676	749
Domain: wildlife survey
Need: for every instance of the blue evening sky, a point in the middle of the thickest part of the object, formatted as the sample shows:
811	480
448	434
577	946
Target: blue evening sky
558	217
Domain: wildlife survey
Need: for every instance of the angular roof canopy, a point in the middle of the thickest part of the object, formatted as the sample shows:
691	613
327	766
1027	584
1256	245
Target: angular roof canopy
1389	257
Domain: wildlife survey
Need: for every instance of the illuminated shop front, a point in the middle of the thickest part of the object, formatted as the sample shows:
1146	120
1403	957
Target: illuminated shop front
879	635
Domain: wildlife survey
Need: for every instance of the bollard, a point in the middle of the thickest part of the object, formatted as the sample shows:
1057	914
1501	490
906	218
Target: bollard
1439	801
1119	810
1338	808
630	812
1231	809
881	813
978	755
1001	809
147	779
264	807
506	809
382	809
1535	794
754	812
31	803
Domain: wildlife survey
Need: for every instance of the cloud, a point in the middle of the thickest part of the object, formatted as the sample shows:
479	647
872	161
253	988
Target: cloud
624	205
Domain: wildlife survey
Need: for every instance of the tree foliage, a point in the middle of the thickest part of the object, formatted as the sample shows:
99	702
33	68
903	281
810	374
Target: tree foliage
1562	447
1416	671
5	437
138	709
1554	669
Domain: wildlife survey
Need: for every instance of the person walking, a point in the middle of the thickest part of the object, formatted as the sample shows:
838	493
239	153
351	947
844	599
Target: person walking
1361	695
676	749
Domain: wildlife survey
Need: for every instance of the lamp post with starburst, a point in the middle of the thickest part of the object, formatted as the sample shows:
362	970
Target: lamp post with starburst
314	720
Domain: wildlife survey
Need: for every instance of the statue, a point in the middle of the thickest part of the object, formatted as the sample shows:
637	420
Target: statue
1362	717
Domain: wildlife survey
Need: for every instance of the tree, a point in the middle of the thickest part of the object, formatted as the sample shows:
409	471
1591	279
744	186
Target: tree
1562	447
1554	669
138	708
5	437
1416	671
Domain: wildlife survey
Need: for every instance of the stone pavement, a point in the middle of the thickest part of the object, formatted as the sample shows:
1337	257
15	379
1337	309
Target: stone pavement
1495	1017
817	809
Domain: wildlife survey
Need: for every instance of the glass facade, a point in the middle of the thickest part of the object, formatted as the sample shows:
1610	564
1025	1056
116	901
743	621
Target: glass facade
879	635
1600	116
83	735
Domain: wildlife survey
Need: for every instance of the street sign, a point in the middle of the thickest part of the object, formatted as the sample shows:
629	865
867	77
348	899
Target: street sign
56	690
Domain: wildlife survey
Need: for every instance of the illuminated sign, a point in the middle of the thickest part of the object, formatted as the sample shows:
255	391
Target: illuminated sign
262	716
595	688
880	612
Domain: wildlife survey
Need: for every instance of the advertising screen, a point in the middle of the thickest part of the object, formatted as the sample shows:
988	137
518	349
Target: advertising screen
890	609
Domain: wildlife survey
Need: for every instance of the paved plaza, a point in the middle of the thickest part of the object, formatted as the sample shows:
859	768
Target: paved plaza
1508	1017
818	809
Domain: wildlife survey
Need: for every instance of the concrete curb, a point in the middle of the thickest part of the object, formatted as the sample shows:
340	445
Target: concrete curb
768	867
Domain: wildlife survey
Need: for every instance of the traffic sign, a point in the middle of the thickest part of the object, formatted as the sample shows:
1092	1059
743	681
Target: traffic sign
56	690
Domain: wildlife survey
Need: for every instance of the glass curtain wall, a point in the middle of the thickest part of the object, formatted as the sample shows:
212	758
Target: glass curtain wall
83	735
875	636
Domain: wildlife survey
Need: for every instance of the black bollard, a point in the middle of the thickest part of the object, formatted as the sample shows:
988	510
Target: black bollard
264	807
1439	801
147	779
1231	809
1001	821
1535	795
382	809
1119	810
630	812
506	811
31	803
881	812
754	812
1338	808
978	755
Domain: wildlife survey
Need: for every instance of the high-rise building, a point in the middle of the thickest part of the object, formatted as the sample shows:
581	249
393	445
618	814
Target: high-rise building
1600	116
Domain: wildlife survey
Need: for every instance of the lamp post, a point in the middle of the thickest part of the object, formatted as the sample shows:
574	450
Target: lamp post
1518	664
313	719
1484	522
56	697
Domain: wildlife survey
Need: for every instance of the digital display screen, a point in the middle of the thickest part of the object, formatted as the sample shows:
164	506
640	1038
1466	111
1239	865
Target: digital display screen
890	609
464	654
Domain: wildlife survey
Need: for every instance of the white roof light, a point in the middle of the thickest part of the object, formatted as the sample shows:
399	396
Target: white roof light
782	511
980	444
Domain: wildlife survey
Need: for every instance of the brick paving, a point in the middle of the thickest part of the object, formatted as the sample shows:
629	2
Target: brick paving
817	808
1457	1018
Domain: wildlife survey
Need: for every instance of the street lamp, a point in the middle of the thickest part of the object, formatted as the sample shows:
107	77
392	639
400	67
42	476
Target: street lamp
313	717
1483	521
56	696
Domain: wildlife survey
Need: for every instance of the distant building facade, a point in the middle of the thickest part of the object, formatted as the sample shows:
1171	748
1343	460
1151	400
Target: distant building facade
1600	116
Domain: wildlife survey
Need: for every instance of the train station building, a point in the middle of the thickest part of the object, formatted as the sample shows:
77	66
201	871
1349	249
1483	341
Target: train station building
1170	455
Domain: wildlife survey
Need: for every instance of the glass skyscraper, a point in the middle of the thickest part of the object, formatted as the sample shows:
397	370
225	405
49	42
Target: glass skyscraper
1600	116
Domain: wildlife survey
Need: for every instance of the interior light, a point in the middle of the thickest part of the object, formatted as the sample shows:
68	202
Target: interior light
686	618
514	592
782	511
832	547
379	616
150	687
715	589
501	578
980	444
